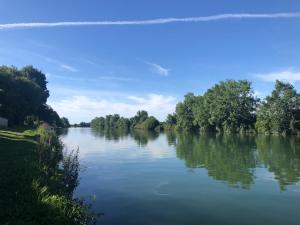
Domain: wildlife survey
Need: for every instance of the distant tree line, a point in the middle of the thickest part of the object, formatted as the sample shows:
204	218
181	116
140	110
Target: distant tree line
229	106
23	97
140	121
81	124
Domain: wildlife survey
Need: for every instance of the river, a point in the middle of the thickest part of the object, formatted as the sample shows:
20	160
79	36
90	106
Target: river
143	178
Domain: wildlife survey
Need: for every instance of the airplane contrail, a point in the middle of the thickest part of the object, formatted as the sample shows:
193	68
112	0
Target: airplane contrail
32	25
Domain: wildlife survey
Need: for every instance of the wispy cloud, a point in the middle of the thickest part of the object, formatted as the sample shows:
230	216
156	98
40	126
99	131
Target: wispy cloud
159	69
289	75
84	108
94	79
59	64
68	68
156	68
152	21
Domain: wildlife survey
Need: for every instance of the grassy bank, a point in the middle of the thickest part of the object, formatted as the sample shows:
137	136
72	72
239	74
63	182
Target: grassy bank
38	180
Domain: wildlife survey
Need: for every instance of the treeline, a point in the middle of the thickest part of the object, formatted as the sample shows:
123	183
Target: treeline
140	121
81	124
23	97
229	106
232	107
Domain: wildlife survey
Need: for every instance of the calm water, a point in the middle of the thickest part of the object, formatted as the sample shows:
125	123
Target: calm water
145	178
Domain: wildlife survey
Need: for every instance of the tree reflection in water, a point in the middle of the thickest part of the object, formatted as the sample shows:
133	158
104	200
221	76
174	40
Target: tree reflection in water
229	158
233	158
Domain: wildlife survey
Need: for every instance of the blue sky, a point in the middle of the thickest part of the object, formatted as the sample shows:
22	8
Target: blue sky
95	70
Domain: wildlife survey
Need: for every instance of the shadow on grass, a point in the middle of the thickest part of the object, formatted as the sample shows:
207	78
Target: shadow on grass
37	184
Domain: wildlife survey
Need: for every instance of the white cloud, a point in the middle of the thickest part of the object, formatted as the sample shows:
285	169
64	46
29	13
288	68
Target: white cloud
68	68
84	108
153	21
289	75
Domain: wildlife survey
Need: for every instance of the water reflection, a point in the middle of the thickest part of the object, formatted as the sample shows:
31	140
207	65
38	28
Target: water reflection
281	155
233	159
227	158
62	132
110	134
141	137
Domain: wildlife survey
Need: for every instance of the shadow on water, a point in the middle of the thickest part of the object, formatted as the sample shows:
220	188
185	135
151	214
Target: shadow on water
62	132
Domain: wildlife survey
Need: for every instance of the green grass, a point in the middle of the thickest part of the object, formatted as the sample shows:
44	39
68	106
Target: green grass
18	134
32	185
17	171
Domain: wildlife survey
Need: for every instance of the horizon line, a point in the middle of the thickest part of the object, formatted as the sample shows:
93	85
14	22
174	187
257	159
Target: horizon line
217	17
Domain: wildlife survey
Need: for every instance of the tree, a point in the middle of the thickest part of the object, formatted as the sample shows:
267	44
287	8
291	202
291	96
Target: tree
20	97
37	77
140	117
231	106
24	96
47	114
171	119
279	113
184	113
149	124
170	122
65	122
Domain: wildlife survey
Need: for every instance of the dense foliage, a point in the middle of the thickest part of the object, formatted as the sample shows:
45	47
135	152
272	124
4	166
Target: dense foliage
38	180
140	121
23	97
280	112
228	106
231	107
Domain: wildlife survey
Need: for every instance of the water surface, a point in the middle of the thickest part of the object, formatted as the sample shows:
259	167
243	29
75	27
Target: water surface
149	178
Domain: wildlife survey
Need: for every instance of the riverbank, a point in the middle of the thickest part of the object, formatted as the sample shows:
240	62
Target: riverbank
38	180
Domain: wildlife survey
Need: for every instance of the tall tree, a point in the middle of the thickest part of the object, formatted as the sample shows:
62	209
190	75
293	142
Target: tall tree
279	113
184	112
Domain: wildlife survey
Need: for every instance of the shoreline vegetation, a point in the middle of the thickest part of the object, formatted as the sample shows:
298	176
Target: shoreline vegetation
38	175
228	107
38	179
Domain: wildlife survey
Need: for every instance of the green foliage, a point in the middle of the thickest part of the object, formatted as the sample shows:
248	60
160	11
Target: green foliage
170	122
184	113
37	181
228	106
279	113
20	96
140	117
110	122
149	124
140	121
47	114
65	122
23	96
